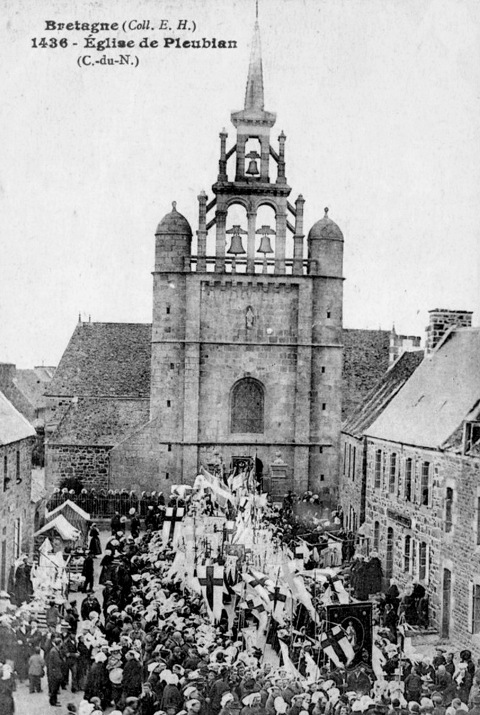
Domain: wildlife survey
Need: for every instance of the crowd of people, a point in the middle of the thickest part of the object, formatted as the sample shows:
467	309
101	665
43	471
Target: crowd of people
149	645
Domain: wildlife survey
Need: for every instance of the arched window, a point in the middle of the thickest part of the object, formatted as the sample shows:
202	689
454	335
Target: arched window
247	406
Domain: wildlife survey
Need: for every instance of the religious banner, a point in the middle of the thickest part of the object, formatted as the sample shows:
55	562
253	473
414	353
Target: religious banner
336	645
210	578
171	524
335	592
356	621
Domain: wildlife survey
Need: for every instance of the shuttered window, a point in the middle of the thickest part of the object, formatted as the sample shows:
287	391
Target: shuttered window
247	407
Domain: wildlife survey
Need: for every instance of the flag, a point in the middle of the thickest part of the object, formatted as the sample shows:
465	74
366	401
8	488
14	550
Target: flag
302	551
257	584
220	493
313	671
237	481
171	525
287	663
210	578
278	598
335	593
336	645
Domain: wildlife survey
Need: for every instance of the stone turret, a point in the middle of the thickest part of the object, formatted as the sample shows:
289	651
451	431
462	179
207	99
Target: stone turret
325	248
173	243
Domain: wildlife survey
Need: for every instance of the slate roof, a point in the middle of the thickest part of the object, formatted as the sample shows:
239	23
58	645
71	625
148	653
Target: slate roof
105	359
365	361
439	395
382	393
32	384
13	425
97	421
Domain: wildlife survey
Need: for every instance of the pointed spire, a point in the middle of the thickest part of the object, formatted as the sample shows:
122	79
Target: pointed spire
254	92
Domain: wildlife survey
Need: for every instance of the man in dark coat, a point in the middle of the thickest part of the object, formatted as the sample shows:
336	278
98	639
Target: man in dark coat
98	682
23	583
88	573
54	671
132	676
89	604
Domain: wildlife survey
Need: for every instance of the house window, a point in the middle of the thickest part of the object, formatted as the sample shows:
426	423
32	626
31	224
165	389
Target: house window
406	554
17	537
5	473
167	309
18	474
478	521
472	435
344	459
376	536
448	511
408	479
353	463
393	473
423	561
247	406
476	609
378	469
424	484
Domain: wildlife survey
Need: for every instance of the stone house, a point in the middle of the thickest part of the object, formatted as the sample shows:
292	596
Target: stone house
353	474
423	485
17	438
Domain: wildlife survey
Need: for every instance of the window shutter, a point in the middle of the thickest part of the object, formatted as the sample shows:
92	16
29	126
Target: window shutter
470	607
427	564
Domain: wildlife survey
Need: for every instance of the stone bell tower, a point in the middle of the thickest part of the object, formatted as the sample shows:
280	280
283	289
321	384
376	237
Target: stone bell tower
246	340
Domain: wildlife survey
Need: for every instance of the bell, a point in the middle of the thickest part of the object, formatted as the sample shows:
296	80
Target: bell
252	164
236	247
265	245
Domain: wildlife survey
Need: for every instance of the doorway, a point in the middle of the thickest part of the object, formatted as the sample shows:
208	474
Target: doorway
446	602
389	556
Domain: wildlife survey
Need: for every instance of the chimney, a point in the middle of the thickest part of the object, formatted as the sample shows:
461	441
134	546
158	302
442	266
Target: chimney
440	321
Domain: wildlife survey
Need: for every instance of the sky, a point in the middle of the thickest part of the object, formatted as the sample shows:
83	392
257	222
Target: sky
380	103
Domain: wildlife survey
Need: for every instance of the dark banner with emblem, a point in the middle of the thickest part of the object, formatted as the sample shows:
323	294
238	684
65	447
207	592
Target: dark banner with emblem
356	621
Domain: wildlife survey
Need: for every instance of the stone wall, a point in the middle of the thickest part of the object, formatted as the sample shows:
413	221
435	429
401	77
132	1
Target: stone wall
352	481
461	547
91	464
387	506
16	510
452	543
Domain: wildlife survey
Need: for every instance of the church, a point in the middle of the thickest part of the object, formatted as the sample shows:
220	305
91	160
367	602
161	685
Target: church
245	354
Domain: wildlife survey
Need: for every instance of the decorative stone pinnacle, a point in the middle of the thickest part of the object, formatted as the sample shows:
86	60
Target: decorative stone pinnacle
326	211
174	205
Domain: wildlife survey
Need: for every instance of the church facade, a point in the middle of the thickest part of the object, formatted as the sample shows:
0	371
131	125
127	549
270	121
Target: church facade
246	352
